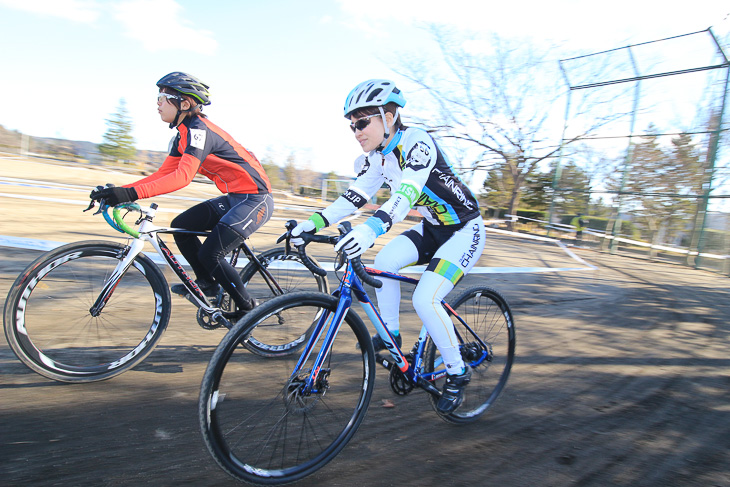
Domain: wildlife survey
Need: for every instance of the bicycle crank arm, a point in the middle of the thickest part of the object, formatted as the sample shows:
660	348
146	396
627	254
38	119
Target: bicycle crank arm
429	387
384	361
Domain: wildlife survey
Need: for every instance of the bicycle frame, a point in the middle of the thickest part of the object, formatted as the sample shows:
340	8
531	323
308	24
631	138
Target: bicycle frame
331	322
148	232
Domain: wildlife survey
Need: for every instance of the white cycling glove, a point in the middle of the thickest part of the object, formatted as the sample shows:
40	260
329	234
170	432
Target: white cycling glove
305	226
357	241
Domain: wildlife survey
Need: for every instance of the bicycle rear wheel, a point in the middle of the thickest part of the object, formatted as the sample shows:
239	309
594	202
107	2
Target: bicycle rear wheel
258	420
48	322
487	343
280	337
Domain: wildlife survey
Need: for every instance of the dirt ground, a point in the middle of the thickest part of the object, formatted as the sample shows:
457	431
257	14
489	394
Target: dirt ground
622	376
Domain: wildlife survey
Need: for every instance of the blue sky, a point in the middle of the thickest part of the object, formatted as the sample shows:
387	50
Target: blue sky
279	70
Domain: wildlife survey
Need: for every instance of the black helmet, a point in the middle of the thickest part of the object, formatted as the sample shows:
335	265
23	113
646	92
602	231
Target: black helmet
186	84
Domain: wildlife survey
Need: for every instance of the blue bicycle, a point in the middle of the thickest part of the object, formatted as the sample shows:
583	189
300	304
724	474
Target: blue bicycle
276	420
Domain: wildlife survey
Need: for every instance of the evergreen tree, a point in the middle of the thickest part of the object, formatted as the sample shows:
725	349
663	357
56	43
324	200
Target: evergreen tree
498	187
574	189
272	171
118	142
659	175
538	190
573	194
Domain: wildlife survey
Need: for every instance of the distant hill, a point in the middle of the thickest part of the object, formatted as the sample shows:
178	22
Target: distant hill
309	183
11	140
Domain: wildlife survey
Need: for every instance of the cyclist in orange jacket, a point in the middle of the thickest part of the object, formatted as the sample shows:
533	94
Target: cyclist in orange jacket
202	147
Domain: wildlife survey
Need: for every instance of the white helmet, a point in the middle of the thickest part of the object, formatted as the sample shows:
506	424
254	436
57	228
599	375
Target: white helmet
373	93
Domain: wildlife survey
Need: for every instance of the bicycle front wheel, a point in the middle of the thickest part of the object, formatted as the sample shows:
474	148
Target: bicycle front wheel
486	333
48	320
276	337
260	419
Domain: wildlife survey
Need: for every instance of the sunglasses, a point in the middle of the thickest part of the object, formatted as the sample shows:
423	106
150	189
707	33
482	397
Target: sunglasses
362	123
167	96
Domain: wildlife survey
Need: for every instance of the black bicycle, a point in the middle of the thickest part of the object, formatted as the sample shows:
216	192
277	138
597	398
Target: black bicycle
89	311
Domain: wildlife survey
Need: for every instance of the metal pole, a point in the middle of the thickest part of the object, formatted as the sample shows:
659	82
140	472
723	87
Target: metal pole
712	153
24	145
629	154
556	176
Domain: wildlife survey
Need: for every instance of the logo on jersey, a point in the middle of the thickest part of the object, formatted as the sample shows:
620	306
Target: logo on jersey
197	138
355	198
365	168
419	156
410	192
454	185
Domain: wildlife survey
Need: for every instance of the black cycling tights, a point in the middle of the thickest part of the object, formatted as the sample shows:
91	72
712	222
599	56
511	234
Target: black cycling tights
208	258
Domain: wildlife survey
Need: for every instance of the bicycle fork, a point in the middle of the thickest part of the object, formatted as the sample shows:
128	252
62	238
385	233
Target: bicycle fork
131	253
328	324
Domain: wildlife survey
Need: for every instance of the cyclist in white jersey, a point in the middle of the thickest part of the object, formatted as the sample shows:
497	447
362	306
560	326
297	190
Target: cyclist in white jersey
450	238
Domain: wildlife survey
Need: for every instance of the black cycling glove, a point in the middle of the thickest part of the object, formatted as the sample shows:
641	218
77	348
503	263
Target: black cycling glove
114	196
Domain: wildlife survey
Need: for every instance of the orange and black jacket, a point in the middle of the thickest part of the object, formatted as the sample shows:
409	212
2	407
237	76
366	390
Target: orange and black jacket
202	147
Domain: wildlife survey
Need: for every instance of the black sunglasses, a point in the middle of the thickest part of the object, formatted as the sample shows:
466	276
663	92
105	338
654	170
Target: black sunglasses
362	123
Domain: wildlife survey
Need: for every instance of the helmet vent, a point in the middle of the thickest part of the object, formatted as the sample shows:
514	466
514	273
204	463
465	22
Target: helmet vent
374	94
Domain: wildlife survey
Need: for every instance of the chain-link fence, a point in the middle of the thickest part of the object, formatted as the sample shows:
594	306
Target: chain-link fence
655	182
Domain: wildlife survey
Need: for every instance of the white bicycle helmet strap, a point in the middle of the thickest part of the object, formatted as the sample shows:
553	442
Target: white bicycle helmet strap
386	132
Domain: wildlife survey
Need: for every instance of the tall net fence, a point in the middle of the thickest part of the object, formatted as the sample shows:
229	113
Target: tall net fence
651	177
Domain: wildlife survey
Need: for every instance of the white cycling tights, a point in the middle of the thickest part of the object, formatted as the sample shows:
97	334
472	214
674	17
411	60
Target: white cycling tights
451	261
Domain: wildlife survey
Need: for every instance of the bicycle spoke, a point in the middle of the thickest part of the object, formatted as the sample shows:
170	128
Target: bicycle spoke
487	326
270	423
279	337
60	338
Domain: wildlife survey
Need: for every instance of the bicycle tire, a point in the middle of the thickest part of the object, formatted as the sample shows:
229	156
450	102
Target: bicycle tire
256	425
47	317
490	317
276	339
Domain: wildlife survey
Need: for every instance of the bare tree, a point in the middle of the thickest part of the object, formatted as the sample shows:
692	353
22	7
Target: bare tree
507	102
291	173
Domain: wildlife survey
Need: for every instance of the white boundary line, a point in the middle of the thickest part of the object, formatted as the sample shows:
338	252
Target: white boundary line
46	245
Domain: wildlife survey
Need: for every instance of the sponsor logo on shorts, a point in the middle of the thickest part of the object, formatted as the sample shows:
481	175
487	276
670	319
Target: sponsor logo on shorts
469	254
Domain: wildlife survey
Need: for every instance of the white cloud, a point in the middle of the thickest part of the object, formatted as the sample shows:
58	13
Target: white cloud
562	20
159	25
84	11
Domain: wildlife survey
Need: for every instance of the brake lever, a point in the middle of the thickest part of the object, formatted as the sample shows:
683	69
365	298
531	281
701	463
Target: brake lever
344	227
102	207
289	225
92	204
